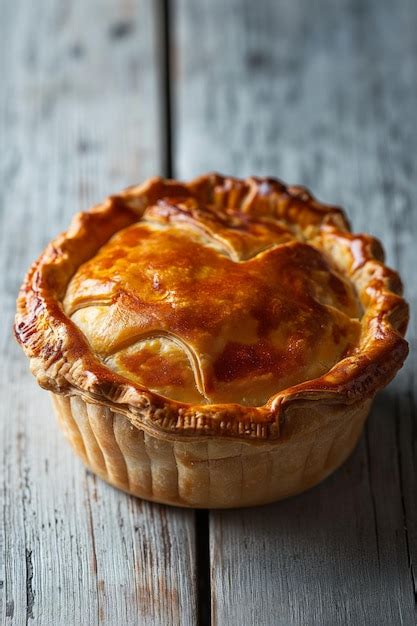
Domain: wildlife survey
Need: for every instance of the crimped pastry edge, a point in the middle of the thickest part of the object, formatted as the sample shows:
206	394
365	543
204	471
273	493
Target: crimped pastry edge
62	361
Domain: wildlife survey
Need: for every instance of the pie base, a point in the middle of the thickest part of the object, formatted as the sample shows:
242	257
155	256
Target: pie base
212	472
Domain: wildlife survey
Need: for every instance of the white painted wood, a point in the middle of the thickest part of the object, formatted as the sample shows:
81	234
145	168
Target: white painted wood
79	118
323	94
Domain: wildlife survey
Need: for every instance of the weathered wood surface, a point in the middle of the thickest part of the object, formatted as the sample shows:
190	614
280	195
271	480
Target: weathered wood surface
319	93
79	118
323	94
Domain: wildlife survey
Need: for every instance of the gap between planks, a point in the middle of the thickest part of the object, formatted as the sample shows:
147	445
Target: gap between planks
202	516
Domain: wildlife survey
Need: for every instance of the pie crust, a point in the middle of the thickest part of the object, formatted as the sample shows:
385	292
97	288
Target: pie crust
216	343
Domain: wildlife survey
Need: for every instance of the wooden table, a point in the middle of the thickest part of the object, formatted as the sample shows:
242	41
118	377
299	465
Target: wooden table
99	94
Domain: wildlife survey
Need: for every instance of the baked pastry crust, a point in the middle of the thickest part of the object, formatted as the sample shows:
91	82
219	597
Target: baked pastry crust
340	343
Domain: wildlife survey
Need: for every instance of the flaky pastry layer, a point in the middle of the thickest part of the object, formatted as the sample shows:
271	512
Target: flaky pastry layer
211	307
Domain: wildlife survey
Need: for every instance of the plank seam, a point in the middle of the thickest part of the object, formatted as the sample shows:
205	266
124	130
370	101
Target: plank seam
202	539
202	519
165	49
403	505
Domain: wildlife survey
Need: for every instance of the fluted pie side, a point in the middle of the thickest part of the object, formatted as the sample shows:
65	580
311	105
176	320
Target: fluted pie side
211	473
203	399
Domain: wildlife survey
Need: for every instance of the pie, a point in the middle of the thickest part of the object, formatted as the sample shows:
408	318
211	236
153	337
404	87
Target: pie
216	343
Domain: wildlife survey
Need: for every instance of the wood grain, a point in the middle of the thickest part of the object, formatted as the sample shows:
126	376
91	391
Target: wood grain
323	94
319	93
79	118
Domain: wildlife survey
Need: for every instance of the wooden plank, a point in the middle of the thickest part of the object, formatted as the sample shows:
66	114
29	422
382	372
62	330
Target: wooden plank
79	118
323	94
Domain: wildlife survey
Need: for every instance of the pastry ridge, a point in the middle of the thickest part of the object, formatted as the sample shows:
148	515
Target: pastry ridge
62	359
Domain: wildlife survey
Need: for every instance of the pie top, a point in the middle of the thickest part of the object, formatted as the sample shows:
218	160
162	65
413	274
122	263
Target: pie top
208	307
204	307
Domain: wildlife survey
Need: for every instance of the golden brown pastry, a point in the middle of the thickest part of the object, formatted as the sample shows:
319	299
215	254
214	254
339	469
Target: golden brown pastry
212	344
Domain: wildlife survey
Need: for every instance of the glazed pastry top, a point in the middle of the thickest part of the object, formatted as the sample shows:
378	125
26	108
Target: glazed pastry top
213	308
204	306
